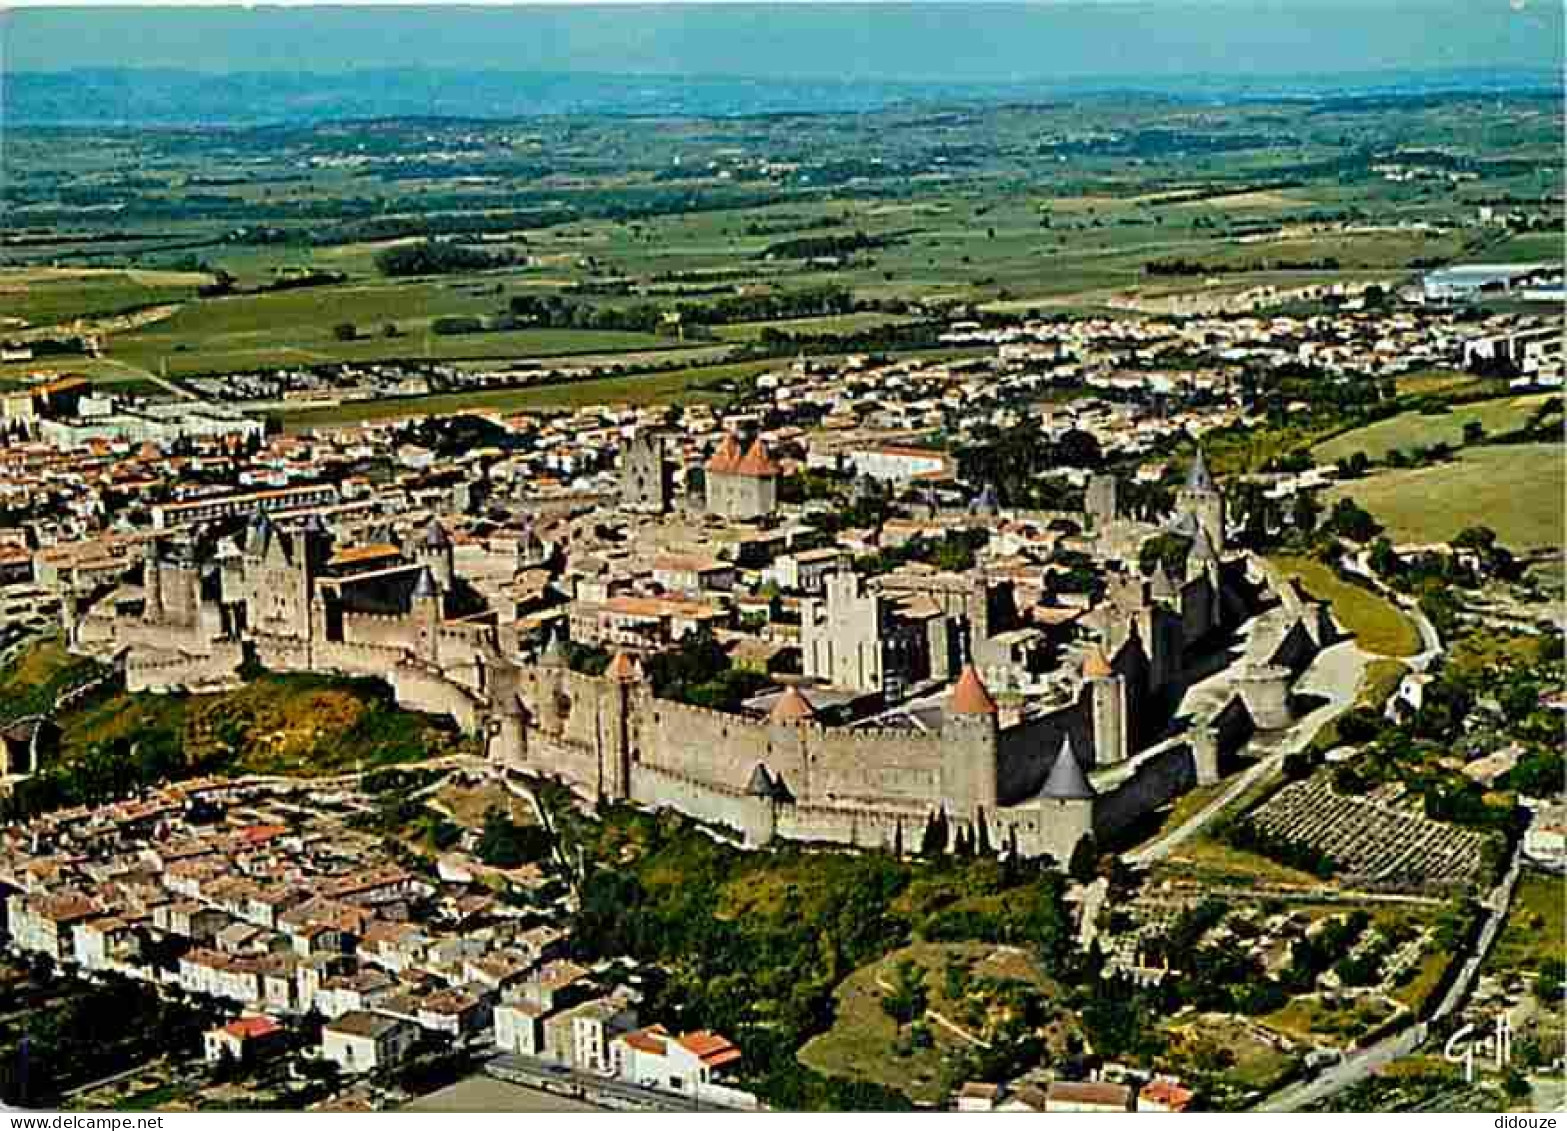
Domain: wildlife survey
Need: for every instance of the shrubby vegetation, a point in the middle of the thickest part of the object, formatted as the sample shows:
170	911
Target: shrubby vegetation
504	843
559	312
756	943
698	671
437	257
822	247
1250	837
116	743
95	1031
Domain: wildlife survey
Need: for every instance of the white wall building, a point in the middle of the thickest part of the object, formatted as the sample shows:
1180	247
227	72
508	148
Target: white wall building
364	1042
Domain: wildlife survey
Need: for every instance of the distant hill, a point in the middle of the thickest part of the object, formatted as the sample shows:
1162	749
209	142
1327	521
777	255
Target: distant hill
159	97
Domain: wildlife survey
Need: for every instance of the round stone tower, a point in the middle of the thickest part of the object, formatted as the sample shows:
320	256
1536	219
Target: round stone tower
970	738
1105	692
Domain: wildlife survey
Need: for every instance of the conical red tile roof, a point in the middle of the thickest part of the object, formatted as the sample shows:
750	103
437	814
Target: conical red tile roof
792	707
757	462
727	458
623	669
969	696
1095	666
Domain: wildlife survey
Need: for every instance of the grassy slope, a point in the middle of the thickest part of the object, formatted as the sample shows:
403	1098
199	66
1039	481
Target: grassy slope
1438	380
1333	1019
304	725
1257	1063
45	297
32	680
1373	620
297	327
1536	926
1411	429
1211	862
1514	489
860	1043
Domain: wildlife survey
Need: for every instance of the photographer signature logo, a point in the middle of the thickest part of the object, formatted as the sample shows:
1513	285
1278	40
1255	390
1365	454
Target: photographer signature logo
1499	1046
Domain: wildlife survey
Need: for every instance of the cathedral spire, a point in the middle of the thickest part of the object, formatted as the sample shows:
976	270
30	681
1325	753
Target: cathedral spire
1197	477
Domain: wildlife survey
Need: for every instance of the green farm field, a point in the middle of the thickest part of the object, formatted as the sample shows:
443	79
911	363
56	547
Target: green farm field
1417	429
676	387
1525	247
1002	207
297	327
1515	489
43	296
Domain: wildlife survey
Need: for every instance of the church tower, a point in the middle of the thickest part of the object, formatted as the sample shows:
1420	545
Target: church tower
1202	500
647	481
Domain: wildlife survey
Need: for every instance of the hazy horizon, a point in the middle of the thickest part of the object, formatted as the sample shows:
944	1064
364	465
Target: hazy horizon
941	42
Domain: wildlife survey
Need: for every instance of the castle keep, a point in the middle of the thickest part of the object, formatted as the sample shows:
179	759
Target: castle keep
1037	774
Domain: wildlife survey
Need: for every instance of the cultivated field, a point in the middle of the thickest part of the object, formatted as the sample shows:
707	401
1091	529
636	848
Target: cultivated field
678	386
1514	489
43	296
1063	206
298	328
1418	429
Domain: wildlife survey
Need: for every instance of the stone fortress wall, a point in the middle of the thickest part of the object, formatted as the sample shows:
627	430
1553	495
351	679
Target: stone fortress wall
1041	783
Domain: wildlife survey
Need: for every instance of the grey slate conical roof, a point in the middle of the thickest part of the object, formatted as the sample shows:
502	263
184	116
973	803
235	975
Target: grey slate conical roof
1067	782
781	791
1197	477
424	588
1202	546
761	783
435	536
